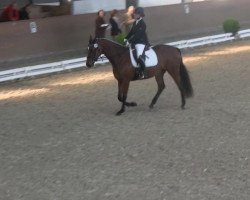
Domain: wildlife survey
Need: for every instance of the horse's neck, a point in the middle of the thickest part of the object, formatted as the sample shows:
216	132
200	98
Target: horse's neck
111	50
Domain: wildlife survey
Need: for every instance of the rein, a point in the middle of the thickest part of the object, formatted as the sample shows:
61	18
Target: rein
99	50
96	46
101	57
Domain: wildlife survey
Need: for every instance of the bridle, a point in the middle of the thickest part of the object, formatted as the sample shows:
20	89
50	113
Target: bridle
97	51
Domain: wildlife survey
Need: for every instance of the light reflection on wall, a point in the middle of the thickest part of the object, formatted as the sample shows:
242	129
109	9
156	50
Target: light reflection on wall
8	94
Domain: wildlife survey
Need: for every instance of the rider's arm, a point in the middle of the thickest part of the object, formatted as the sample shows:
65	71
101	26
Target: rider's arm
131	33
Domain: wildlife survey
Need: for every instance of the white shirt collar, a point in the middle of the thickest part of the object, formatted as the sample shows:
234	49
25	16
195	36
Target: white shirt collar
138	20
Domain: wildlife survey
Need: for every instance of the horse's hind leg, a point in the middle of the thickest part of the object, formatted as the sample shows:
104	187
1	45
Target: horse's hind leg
183	101
178	83
161	86
177	79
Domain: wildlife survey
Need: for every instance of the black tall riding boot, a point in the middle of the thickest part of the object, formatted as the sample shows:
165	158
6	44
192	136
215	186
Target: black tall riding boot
141	63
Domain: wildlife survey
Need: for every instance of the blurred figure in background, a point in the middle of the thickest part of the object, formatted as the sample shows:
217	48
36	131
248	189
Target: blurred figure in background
114	22
10	13
100	25
128	19
23	12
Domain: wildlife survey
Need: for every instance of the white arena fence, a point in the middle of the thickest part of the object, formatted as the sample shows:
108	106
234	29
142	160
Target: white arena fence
30	71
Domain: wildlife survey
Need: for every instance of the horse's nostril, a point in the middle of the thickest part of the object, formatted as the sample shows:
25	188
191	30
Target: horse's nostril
88	64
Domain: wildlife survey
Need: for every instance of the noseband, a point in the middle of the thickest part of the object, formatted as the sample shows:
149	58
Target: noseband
98	51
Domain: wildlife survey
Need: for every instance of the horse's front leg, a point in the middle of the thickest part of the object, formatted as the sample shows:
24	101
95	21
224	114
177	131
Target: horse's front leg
122	96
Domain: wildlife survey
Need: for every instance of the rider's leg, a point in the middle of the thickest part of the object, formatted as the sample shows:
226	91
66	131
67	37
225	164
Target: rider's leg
134	51
141	63
140	59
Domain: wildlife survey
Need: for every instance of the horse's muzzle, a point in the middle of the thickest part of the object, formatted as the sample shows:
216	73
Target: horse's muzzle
89	64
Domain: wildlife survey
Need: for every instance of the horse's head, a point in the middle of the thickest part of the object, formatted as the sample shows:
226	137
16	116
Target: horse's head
94	51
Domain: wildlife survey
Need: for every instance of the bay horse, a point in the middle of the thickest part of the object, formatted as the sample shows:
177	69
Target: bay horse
169	59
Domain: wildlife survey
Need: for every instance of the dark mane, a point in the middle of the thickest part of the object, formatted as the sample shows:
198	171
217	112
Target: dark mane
116	43
117	51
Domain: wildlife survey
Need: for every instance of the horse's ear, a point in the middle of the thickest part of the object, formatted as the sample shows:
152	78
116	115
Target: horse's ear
90	39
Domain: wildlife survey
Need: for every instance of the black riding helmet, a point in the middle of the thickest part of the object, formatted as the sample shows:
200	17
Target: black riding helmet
139	11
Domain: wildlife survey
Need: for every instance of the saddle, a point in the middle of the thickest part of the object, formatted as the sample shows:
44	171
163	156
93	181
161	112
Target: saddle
151	59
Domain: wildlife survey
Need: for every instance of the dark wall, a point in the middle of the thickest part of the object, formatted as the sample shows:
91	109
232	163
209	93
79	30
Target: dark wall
69	34
171	23
20	3
55	34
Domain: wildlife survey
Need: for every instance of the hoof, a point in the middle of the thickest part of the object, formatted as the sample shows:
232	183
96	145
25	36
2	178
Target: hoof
119	113
151	106
133	104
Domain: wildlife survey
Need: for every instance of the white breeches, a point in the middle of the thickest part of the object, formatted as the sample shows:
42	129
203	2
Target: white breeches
139	49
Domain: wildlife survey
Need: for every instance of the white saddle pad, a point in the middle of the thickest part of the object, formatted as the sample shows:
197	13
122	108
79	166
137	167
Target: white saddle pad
151	59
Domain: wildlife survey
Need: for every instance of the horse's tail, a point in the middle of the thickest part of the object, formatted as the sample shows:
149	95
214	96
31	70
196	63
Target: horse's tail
185	80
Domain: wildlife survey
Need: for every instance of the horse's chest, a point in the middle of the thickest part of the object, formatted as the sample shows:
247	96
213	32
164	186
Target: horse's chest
116	74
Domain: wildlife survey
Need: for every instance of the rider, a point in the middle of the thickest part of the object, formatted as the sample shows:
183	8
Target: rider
137	35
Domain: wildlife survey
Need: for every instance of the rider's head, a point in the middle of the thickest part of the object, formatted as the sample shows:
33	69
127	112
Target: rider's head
131	10
101	13
139	12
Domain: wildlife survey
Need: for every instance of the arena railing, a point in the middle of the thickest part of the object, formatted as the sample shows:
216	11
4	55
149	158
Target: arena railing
30	71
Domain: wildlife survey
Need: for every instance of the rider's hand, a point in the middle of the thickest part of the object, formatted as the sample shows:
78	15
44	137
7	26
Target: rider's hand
126	42
104	25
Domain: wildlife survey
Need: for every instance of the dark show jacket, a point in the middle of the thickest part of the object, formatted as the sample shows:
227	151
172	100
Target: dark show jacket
99	29
137	34
114	27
